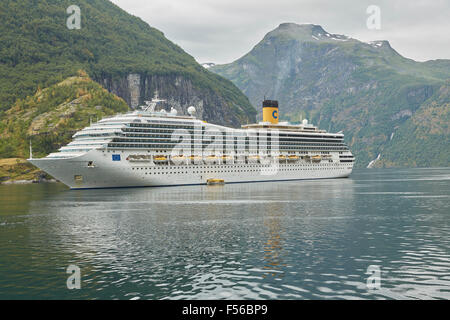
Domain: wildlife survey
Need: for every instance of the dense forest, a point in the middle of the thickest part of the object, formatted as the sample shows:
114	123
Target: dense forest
38	50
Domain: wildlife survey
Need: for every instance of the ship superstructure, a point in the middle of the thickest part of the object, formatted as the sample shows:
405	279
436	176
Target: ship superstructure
159	148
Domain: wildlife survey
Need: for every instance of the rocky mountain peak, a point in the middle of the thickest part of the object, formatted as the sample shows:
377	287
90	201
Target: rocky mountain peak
380	43
303	27
304	32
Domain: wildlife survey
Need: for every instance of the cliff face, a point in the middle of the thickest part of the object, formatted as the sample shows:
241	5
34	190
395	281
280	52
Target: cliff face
116	49
367	90
180	93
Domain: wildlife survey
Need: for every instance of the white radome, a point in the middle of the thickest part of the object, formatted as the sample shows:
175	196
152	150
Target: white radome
191	110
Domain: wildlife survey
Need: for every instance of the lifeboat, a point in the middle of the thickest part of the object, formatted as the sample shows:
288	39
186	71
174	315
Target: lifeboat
178	159
281	157
211	182
160	159
293	158
138	158
211	159
254	158
227	158
195	159
316	158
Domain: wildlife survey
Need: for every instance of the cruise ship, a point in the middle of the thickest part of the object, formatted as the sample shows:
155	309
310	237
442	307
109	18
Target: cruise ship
149	147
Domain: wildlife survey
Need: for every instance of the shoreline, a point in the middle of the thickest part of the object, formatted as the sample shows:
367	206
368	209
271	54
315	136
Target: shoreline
11	182
20	171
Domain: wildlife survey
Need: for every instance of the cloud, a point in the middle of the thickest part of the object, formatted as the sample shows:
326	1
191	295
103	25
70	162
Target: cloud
221	31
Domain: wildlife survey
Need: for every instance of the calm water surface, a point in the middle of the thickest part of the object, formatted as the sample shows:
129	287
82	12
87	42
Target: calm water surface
290	240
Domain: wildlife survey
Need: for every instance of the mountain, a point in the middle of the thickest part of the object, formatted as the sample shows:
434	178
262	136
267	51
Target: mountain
119	51
424	138
382	101
208	65
48	119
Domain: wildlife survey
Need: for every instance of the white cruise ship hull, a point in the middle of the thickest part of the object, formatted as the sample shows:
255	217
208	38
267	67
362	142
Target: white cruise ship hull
96	169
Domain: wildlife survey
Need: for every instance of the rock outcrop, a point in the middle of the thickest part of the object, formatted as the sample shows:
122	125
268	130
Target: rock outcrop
180	93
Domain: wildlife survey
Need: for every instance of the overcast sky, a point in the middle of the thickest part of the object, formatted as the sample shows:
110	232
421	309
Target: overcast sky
222	31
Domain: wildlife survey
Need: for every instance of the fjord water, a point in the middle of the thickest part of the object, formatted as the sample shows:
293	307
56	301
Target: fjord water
283	240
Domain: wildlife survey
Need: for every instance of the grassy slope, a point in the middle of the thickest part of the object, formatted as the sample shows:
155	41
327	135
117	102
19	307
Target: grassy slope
15	169
50	118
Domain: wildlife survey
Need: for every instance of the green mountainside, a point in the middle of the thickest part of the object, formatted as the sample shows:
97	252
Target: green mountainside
114	48
424	137
51	116
49	119
386	104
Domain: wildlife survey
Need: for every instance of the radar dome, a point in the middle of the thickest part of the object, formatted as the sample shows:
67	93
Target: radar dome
173	111
305	122
191	110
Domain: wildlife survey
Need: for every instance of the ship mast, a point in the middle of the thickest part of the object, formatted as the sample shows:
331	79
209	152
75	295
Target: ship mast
152	104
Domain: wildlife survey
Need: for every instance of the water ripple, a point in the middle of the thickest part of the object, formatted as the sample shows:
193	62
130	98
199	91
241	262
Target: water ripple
296	240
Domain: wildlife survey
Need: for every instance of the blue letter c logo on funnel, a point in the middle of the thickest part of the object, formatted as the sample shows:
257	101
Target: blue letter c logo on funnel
275	114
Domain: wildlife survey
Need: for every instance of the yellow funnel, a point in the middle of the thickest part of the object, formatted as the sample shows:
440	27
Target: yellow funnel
270	111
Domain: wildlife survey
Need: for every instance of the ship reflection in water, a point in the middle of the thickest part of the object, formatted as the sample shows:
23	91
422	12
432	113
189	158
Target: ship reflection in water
273	249
288	240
